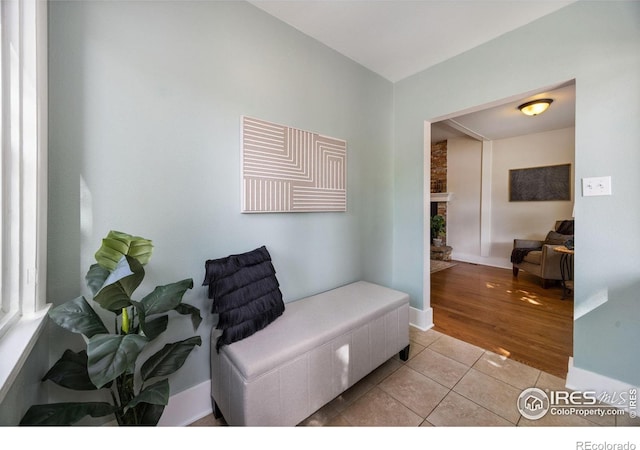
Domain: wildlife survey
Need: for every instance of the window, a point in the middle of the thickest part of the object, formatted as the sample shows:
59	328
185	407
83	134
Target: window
23	189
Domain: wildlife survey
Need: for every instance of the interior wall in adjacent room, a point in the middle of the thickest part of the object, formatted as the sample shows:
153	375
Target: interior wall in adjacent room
145	108
509	220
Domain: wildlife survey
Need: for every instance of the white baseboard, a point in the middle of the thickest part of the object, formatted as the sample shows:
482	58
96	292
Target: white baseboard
187	406
501	263
421	319
584	380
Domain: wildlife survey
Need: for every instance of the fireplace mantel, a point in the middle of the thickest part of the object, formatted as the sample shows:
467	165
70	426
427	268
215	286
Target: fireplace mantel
441	197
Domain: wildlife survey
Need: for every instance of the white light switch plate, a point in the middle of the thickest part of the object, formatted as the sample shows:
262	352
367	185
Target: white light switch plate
596	186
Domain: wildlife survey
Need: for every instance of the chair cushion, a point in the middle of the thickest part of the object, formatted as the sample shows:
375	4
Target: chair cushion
245	292
565	227
534	257
555	238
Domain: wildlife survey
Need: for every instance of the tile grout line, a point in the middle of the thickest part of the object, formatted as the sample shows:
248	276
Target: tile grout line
451	389
469	368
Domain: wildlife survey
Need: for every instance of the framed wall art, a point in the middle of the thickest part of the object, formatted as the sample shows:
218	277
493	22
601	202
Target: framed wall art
285	169
547	183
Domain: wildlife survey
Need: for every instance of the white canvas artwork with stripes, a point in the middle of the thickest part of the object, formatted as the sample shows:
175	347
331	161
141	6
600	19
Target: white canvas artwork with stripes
289	170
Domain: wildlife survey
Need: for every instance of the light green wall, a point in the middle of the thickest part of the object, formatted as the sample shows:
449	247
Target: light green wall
598	45
145	106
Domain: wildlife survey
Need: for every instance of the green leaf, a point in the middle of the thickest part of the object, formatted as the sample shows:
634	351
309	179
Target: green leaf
71	372
146	414
152	328
165	298
141	249
117	291
155	327
107	256
112	298
78	316
121	271
112	355
169	359
96	276
118	244
65	413
186	309
129	273
156	394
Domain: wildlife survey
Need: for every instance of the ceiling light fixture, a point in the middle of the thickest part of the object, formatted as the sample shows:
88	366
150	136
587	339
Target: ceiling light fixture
535	107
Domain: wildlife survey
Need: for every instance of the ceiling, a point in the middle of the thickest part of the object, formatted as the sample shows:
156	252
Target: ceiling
506	121
398	38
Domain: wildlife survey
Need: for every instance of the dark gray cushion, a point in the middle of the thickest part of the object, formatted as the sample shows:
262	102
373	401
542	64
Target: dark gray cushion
555	238
245	292
565	227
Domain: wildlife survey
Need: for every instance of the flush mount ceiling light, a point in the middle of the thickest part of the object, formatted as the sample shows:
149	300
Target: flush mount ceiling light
535	107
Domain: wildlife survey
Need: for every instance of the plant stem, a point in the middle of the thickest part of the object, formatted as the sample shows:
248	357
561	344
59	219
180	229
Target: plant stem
117	413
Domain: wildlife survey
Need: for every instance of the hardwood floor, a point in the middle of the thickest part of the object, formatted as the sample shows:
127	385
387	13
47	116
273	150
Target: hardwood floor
514	317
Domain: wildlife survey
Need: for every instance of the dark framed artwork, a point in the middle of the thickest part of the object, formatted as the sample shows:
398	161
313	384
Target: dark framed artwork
546	183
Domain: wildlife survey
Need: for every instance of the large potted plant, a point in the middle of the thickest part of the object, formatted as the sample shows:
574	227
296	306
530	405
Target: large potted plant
138	393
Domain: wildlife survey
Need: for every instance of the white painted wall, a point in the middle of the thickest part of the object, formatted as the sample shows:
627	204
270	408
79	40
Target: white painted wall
527	219
509	220
464	175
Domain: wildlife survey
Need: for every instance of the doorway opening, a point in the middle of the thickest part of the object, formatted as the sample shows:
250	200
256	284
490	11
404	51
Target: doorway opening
481	146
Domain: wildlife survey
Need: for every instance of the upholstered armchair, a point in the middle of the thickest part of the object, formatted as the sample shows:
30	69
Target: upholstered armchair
538	257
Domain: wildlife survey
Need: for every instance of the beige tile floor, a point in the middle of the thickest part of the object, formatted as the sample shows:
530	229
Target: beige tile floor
445	382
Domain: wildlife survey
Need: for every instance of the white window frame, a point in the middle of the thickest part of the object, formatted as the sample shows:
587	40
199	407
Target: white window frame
23	182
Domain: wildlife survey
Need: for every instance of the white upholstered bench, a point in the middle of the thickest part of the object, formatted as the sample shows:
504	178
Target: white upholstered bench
318	348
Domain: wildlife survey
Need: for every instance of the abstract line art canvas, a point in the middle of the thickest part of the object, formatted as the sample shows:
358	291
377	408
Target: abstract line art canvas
285	169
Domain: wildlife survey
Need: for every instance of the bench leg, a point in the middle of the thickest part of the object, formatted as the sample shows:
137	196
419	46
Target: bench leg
217	414
404	353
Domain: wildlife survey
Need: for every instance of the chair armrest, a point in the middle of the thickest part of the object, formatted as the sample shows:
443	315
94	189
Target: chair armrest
527	243
548	249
